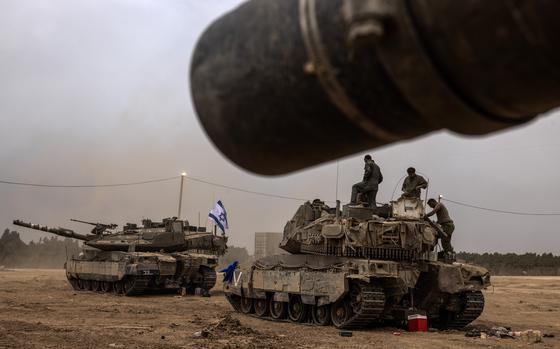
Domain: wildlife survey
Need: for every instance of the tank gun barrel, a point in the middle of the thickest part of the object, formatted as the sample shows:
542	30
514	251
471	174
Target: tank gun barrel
317	80
57	231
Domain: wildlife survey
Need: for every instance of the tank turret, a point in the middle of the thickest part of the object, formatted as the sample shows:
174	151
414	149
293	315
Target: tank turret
362	232
169	235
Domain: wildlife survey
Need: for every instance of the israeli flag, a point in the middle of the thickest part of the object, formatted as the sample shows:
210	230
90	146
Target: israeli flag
219	216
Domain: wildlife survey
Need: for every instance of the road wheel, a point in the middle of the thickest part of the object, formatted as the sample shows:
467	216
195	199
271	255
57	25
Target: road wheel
95	285
340	312
261	307
74	283
106	286
356	298
278	310
247	305
118	288
80	284
128	285
321	315
87	285
297	311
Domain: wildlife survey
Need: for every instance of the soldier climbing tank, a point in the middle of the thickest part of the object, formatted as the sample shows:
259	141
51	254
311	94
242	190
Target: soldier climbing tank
155	257
358	268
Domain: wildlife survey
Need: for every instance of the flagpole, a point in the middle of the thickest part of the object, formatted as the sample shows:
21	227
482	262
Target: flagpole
183	175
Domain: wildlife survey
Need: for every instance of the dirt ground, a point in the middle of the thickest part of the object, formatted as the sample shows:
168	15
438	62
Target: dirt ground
38	309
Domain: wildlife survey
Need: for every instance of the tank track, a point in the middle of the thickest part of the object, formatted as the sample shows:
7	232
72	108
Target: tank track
140	285
474	305
209	277
235	302
371	309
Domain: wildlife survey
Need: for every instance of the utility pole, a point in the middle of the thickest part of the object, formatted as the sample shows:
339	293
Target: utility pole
183	175
336	193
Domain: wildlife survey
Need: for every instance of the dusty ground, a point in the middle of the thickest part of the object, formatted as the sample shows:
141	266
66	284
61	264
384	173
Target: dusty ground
38	309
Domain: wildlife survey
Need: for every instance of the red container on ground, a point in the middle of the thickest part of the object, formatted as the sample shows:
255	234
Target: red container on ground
417	323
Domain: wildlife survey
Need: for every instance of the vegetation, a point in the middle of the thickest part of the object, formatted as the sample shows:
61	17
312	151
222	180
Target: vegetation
515	264
233	254
49	252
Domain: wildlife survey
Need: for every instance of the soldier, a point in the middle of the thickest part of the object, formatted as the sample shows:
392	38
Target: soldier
445	221
413	183
370	183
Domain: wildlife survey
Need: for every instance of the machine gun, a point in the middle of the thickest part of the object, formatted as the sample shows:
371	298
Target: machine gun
99	228
57	231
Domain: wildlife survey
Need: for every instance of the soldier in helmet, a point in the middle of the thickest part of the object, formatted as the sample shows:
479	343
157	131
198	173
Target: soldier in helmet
370	184
413	184
445	221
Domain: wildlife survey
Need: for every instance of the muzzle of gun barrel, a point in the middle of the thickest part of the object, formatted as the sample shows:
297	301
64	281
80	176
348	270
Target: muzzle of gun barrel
284	85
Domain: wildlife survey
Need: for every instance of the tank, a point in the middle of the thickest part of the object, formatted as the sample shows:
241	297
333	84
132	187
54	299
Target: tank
154	257
360	267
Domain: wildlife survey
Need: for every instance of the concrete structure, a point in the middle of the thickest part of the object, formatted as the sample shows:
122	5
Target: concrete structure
266	244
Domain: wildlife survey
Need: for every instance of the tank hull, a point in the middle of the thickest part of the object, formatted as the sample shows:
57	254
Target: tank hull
358	293
136	273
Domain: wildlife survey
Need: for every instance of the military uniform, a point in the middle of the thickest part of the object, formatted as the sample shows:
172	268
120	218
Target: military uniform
370	183
411	184
446	223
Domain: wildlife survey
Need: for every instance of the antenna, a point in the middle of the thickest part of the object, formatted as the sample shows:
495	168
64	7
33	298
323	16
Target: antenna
337	216
426	194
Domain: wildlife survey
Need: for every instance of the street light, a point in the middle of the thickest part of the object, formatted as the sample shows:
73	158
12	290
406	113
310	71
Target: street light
183	175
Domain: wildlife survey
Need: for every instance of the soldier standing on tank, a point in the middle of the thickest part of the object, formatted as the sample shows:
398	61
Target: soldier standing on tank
413	184
370	184
445	221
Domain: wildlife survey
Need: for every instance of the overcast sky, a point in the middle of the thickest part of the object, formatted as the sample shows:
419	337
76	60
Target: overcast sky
95	92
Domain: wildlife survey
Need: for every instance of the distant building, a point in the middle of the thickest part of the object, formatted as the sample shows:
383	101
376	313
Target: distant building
266	244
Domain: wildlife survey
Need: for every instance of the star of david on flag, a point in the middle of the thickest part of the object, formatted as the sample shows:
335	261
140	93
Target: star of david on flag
219	216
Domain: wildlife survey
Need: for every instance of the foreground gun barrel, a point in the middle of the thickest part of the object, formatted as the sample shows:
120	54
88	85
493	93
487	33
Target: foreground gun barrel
284	85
